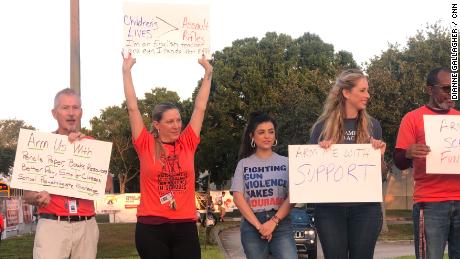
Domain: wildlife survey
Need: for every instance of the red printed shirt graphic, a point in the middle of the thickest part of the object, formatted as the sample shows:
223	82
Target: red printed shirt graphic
173	173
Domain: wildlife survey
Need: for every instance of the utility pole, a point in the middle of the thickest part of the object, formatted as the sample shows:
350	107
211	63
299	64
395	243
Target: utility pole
75	48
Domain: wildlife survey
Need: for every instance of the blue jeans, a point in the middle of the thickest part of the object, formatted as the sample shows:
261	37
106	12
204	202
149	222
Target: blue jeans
348	230
282	245
442	224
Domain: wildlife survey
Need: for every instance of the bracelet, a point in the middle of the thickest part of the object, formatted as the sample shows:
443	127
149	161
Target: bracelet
276	219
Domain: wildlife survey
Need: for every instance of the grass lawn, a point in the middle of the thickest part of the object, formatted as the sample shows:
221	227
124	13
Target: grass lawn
401	214
398	232
115	241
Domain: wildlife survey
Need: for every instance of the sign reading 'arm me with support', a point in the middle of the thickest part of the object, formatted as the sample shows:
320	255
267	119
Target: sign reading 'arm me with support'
166	30
342	173
49	162
442	135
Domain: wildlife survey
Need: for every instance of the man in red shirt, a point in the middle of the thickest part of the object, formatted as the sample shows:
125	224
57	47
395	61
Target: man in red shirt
67	226
436	210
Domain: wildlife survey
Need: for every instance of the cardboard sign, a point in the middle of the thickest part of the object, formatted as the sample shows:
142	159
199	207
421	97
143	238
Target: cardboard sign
342	173
442	135
166	30
49	162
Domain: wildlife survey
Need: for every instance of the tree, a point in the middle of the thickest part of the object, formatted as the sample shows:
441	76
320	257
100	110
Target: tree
9	133
289	78
398	78
113	126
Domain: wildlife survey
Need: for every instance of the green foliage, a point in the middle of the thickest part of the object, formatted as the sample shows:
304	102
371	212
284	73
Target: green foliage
9	133
289	78
397	77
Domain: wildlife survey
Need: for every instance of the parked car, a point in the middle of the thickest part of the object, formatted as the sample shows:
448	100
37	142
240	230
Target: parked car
305	236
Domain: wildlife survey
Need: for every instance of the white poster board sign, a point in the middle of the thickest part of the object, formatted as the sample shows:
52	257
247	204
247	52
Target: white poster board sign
342	173
46	161
442	135
166	30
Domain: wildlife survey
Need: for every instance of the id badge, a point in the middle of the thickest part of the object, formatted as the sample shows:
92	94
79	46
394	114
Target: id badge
166	198
73	207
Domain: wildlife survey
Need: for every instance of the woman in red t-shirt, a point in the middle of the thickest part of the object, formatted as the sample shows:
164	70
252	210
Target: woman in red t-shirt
166	214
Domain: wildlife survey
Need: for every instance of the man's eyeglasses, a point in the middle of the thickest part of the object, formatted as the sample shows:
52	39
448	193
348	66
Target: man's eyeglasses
445	88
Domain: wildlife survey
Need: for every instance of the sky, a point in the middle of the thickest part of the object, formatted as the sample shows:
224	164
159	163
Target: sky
35	45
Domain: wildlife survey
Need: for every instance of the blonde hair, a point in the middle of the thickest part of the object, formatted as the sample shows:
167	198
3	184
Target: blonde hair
334	111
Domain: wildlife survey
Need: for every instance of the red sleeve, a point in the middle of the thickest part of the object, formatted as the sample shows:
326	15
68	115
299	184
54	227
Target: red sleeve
142	143
189	138
406	133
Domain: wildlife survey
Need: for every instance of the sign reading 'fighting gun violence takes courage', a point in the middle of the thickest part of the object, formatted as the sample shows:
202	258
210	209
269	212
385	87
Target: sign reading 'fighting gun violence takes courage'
342	173
49	162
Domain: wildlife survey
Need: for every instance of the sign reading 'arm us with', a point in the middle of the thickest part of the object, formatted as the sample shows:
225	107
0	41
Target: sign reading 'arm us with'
342	173
166	30
49	162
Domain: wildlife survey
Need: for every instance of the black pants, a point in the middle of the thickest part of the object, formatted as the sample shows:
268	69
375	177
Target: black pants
170	240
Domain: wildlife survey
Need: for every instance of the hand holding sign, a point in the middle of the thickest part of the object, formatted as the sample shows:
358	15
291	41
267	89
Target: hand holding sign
378	144
417	151
42	198
128	62
205	64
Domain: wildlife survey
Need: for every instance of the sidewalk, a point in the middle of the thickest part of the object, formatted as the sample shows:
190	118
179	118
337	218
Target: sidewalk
230	245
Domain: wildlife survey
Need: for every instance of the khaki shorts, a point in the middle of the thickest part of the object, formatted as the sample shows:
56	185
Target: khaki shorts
62	239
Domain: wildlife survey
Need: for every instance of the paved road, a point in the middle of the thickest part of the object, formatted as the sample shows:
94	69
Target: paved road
230	240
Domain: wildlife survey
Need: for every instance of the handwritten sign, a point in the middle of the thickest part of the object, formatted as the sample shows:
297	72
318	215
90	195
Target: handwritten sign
46	161
442	134
166	30
342	173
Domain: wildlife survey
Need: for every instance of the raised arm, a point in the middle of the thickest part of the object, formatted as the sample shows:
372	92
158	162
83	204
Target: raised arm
135	117
201	100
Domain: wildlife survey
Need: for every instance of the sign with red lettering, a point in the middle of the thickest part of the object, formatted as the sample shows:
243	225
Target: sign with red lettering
166	30
442	135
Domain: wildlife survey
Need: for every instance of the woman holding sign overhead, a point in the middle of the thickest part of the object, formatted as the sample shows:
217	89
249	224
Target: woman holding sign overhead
260	191
166	214
348	230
